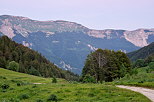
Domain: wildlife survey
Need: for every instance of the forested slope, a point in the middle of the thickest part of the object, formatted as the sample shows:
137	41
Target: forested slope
29	61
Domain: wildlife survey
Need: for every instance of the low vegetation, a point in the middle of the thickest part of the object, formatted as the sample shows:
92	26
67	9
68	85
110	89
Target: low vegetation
38	89
143	77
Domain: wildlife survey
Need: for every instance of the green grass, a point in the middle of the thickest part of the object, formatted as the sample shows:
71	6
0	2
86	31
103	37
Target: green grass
143	78
63	90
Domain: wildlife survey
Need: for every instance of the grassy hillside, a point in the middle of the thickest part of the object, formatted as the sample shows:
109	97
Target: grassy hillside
144	77
19	87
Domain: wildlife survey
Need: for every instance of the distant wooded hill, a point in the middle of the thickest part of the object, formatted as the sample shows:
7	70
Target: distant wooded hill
29	61
142	53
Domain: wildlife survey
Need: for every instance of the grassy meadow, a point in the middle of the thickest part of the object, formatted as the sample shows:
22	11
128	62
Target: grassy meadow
19	87
144	77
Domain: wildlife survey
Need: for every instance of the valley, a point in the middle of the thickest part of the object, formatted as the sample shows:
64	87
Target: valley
43	61
68	43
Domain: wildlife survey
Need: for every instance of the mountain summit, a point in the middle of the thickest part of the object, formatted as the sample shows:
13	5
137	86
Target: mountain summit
67	43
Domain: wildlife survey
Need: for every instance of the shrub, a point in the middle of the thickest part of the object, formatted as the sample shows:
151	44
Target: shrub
2	77
141	82
139	63
19	84
39	100
134	71
5	86
54	80
89	79
33	71
34	86
53	98
91	94
13	66
14	100
151	65
24	96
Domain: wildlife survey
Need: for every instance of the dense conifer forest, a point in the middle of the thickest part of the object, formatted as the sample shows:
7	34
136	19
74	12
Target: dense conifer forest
19	58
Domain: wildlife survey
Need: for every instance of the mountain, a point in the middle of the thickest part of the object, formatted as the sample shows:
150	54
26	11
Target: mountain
67	43
142	53
17	57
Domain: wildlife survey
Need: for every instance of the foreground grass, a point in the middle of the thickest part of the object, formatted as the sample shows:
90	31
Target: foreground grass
63	90
143	79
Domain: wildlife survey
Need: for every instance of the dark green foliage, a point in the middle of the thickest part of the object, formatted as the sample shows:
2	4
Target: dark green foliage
134	71
5	86
89	79
20	83
142	53
52	98
33	71
14	100
151	65
13	66
54	80
39	100
144	62
24	96
139	63
106	65
20	58
2	62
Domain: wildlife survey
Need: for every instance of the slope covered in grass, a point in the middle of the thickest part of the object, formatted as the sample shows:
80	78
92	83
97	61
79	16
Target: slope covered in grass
144	77
62	91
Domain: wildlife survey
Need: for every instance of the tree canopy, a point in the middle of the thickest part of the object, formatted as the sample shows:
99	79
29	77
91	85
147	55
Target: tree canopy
106	65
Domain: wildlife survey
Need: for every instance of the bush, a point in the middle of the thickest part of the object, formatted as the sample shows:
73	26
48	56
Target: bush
2	77
151	65
24	96
19	84
14	100
13	66
33	71
139	63
53	98
54	80
89	79
5	86
39	100
134	71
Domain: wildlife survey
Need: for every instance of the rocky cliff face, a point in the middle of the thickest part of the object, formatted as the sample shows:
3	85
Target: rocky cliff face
24	26
68	43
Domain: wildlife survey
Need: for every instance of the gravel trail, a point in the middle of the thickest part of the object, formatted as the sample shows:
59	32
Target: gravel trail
146	92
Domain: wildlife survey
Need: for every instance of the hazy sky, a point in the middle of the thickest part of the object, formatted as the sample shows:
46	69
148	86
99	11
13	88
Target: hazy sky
95	14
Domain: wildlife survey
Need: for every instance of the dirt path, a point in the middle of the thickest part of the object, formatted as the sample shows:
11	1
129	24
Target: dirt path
147	92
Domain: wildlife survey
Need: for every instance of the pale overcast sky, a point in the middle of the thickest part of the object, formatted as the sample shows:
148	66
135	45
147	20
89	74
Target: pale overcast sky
94	14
